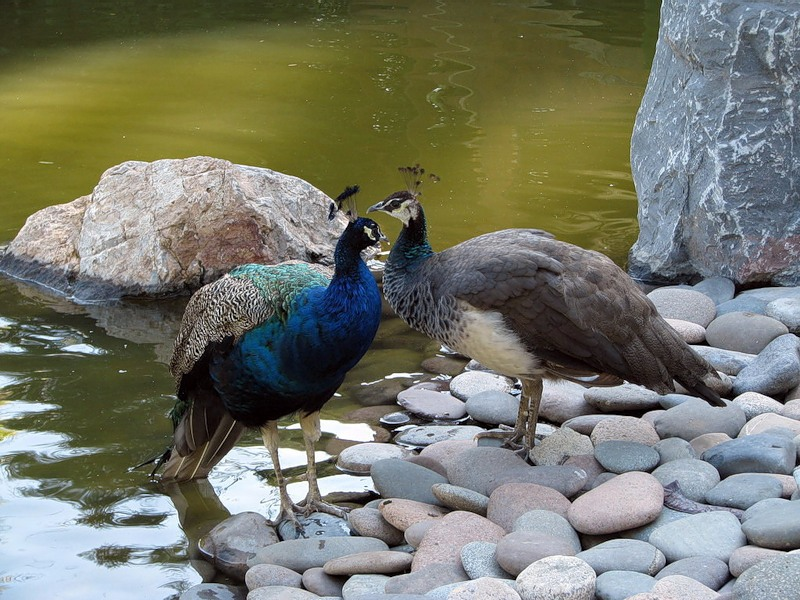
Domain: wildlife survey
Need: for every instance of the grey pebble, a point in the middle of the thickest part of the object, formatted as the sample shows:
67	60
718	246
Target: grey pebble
743	490
775	371
744	331
619	456
694	476
778	529
772	579
426	579
622	398
711	572
303	554
359	458
719	289
684	304
519	549
549	522
316	580
281	592
619	585
696	417
470	383
757	453
431	400
358	586
476	468
674	449
395	478
715	534
229	544
264	575
624	555
742	303
460	498
494	407
478	559
787	311
369	522
560	445
214	591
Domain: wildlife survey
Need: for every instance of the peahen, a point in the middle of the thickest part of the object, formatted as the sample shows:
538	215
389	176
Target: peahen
529	306
264	342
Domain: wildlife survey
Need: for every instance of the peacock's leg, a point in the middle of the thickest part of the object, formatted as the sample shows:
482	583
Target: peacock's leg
311	433
269	433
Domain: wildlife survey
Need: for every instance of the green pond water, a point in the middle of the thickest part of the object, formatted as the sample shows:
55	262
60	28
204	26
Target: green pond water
523	109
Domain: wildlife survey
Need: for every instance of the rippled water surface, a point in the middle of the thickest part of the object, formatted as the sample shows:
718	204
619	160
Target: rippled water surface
523	109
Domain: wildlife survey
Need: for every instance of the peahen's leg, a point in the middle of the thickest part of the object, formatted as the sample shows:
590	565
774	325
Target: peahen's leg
269	433
532	397
311	433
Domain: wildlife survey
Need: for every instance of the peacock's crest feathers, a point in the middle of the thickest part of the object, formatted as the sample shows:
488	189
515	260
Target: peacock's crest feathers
346	201
238	302
414	177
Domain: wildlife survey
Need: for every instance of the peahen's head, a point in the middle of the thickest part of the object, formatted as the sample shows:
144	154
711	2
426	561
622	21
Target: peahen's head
401	205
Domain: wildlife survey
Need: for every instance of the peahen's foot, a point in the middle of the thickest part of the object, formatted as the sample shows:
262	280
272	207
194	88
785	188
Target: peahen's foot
316	504
510	438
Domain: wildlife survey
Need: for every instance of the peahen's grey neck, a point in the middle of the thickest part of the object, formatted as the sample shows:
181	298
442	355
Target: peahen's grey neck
411	247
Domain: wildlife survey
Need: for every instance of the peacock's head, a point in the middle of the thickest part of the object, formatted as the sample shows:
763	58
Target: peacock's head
401	205
365	232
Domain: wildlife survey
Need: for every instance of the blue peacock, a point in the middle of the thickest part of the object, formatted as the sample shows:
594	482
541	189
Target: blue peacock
264	342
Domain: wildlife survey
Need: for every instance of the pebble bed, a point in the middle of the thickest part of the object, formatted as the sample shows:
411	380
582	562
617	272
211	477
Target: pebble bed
630	495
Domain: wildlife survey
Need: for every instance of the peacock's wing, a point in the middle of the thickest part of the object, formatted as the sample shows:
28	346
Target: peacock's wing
574	308
215	317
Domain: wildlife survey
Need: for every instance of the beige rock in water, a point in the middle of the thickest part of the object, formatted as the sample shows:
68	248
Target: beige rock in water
170	226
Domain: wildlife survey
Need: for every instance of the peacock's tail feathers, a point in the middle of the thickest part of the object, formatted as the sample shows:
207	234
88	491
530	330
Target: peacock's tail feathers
205	433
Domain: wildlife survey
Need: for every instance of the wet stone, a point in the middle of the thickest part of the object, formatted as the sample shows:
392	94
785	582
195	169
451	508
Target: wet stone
394	478
395	418
743	490
429	401
425	435
444	365
314	526
359	458
618	456
229	545
214	591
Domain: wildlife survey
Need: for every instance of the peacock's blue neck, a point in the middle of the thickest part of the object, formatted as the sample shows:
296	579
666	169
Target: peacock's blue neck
412	246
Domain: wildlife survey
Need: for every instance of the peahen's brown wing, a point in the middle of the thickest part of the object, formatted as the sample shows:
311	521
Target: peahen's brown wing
574	308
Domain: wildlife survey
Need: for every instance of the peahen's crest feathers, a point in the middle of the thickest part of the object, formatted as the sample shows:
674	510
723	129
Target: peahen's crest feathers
414	177
346	201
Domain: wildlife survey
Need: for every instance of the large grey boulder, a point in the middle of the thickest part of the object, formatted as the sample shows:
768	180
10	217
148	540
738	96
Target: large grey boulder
715	152
170	226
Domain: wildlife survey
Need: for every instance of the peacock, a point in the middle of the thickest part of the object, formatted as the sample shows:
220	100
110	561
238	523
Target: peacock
531	307
264	342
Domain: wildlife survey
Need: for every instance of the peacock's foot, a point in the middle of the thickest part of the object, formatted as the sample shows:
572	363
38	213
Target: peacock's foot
508	437
313	504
